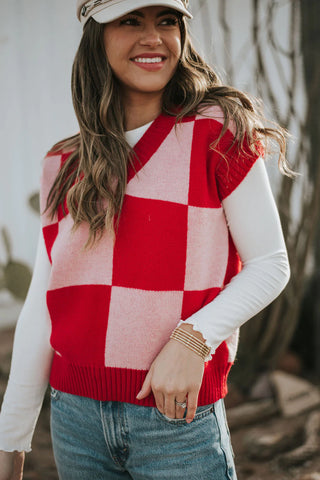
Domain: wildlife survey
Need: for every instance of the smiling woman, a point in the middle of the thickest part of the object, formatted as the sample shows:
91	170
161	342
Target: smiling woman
159	238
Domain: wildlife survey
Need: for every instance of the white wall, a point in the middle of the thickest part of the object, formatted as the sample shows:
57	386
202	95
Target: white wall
38	40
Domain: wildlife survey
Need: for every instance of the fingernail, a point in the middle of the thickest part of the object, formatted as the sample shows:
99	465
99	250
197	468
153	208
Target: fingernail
189	420
138	394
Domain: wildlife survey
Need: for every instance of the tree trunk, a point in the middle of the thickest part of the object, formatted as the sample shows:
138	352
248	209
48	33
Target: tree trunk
264	338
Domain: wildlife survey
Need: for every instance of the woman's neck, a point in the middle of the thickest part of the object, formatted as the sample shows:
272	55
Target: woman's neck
141	110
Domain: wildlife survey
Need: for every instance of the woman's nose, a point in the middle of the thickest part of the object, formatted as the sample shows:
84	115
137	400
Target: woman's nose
150	37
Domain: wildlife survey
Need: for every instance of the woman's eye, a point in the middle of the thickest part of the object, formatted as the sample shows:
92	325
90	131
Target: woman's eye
130	21
134	21
169	21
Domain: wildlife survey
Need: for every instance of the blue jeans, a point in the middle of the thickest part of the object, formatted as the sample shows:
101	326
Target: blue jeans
95	440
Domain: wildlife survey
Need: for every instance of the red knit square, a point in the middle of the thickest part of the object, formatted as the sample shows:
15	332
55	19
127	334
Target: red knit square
193	301
80	316
50	233
150	249
202	187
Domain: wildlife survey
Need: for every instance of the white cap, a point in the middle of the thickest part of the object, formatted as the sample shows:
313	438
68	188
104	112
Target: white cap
104	11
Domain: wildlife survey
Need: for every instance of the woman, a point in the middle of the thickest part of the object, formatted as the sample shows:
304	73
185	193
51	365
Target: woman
146	214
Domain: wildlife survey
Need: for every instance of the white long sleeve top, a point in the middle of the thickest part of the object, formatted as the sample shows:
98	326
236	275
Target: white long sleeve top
259	241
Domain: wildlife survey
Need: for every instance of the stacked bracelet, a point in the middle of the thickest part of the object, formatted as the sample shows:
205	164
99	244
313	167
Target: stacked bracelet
190	341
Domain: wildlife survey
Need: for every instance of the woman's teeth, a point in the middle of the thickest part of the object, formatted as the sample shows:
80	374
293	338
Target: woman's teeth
148	60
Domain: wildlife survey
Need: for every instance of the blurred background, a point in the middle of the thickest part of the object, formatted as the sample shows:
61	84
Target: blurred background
269	48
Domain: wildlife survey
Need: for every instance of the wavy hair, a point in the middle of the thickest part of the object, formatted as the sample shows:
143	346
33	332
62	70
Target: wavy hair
93	179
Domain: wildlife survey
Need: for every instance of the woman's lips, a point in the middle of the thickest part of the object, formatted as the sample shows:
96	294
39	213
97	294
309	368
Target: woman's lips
148	62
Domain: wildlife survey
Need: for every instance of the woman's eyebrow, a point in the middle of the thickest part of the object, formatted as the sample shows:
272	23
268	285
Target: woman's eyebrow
168	11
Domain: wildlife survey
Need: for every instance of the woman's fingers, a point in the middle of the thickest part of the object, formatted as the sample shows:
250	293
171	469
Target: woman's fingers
175	374
146	387
170	406
159	398
180	410
174	410
191	405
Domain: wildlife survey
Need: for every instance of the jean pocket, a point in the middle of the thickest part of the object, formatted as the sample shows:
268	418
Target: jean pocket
54	394
202	411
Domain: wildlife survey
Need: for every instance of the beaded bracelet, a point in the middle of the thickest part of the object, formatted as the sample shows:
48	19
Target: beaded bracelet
190	341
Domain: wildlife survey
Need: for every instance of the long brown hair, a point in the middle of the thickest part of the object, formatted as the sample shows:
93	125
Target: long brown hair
94	176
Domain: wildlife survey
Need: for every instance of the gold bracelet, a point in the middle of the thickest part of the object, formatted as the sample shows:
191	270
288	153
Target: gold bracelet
188	337
191	342
202	350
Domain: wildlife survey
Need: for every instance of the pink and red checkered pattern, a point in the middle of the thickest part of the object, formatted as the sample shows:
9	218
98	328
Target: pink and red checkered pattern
114	307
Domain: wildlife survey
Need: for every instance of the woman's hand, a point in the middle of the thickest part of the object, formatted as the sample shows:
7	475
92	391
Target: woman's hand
11	465
175	374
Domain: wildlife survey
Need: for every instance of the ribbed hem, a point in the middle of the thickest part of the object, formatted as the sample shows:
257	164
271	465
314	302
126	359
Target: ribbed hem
123	384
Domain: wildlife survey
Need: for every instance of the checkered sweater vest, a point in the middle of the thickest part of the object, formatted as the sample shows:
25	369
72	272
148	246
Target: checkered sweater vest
113	307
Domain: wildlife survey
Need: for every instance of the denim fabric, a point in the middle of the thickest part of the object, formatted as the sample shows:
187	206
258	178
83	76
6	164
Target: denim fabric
95	440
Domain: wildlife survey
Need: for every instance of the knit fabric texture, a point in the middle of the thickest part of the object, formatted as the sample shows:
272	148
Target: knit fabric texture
113	307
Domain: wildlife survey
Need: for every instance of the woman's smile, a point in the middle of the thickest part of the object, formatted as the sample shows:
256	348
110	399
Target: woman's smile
149	61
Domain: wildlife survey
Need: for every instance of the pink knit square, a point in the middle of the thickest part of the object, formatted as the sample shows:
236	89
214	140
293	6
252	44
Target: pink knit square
77	266
50	169
207	248
140	323
166	175
216	113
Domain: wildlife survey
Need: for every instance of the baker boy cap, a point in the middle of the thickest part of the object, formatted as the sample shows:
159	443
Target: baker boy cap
104	11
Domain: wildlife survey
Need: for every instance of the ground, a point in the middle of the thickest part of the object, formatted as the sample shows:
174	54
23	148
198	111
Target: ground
39	463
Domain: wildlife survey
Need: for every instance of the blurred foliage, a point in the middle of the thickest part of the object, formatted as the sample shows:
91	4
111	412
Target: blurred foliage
34	202
14	276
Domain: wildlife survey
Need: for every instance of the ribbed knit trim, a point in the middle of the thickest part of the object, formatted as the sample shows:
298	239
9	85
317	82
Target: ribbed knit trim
234	176
235	166
121	384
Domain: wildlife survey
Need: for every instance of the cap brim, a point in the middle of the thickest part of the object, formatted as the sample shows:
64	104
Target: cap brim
112	12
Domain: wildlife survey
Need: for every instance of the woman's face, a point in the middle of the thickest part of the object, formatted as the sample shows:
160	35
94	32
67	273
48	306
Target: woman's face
143	49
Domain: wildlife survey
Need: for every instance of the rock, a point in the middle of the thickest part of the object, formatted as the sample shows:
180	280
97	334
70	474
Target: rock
294	394
290	363
311	476
262	446
252	412
262	388
310	447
